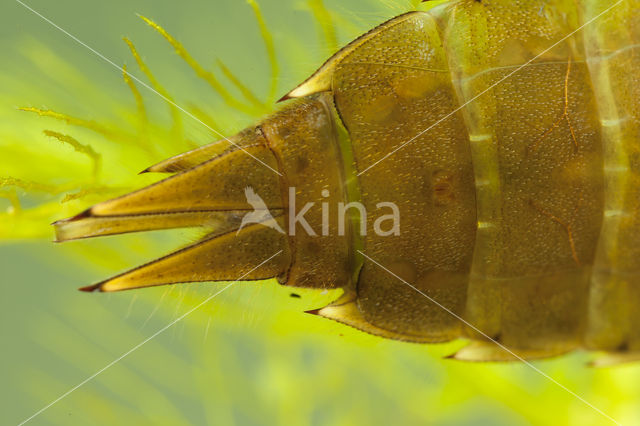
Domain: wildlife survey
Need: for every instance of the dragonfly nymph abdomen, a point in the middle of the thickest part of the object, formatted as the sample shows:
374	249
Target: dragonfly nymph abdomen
507	135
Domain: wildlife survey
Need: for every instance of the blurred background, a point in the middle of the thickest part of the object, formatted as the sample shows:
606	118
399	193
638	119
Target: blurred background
249	356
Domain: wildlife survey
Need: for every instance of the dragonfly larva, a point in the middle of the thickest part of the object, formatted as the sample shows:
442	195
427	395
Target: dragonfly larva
506	134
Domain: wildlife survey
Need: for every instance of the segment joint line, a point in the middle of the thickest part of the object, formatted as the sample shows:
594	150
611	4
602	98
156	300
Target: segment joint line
503	347
491	87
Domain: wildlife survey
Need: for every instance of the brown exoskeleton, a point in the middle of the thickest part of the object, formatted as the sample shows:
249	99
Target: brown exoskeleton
506	134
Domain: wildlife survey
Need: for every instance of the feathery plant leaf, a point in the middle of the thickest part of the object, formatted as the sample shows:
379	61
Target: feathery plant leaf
200	71
271	50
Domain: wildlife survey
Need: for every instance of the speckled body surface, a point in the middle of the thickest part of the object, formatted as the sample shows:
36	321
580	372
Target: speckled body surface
506	133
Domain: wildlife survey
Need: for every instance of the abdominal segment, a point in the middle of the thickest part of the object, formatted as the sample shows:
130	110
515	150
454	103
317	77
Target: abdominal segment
488	131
